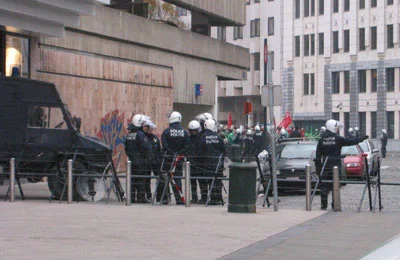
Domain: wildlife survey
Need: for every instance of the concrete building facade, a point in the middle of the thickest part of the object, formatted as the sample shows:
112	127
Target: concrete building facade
109	64
334	59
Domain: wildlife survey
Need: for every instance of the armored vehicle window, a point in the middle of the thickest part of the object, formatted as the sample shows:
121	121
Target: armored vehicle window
46	117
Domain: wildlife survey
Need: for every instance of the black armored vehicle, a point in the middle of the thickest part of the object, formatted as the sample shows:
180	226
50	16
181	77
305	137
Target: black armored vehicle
37	130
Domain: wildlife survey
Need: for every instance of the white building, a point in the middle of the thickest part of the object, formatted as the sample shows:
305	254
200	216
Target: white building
337	58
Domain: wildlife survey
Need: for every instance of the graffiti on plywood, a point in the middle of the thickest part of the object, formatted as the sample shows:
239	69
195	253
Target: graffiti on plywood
112	131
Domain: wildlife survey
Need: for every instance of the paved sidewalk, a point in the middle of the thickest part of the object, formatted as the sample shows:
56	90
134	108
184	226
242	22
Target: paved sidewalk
41	230
331	236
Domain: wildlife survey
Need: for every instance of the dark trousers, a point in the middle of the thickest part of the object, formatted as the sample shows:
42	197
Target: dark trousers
383	151
138	185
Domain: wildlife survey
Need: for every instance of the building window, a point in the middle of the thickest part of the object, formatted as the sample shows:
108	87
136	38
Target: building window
312	44
237	32
312	84
374	80
306	45
362	82
16	55
306	8
308	84
347	82
373	3
390	124
321	43
305	84
336	116
346	6
346	39
362	4
389	2
256	1
312	7
390	43
346	120
336	82
321	7
255	28
335	6
221	33
390	79
362	116
297	9
373	124
256	61
297	46
271	26
373	38
361	36
335	42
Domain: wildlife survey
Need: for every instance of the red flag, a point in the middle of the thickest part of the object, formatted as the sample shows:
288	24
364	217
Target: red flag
287	121
229	120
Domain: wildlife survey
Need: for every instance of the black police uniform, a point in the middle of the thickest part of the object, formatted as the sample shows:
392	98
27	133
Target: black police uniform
193	155
258	142
248	149
384	139
212	147
155	164
174	140
137	147
331	145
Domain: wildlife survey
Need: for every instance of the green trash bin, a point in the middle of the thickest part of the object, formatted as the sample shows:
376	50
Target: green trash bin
242	188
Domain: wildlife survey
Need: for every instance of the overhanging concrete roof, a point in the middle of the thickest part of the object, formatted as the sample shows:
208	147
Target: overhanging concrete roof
47	17
220	12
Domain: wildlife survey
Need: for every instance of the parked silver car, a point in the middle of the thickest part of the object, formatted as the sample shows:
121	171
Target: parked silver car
373	155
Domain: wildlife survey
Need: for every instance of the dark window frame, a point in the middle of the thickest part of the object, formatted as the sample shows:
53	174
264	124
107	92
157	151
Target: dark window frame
335	82
374	37
271	26
390	36
374	80
361	39
321	43
390	79
346	76
346	40
362	81
335	39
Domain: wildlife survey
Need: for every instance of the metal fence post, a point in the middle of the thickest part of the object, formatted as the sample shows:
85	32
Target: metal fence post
12	180
187	184
128	183
308	188
69	181
337	206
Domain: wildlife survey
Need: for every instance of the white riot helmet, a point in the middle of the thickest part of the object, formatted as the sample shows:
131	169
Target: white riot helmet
356	129
350	130
257	128
175	117
333	125
323	128
384	131
237	131
194	125
139	119
283	131
248	132
210	124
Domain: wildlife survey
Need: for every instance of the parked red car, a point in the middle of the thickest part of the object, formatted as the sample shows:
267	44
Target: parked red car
354	162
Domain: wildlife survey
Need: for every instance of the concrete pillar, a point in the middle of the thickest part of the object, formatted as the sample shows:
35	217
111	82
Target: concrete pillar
381	94
327	89
353	92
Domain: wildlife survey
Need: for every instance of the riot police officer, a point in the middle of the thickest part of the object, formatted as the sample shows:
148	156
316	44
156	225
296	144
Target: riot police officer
248	149
155	158
212	146
384	139
193	154
258	140
174	140
137	147
329	147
